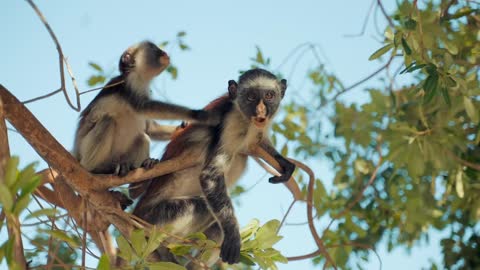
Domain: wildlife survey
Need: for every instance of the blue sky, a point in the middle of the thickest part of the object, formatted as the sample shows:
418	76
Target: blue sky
223	36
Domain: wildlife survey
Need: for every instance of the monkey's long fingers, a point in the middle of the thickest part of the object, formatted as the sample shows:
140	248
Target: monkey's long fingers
149	163
230	250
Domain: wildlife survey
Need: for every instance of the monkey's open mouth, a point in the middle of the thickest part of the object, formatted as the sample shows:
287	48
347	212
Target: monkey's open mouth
259	122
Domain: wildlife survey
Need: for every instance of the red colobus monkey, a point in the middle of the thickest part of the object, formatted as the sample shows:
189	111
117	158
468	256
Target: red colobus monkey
196	199
113	132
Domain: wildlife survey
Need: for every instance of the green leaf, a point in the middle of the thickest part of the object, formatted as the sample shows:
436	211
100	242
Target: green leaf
183	47
96	79
6	198
259	58
95	66
165	266
246	259
62	236
173	71
410	24
104	263
11	170
163	44
154	240
248	231
380	52
267	234
138	241
21	203
405	46
179	249
446	96
470	108
49	212
126	251
430	87
181	34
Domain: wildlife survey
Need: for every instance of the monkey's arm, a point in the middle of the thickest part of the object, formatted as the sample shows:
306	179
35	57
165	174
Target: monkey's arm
287	167
160	132
212	181
161	110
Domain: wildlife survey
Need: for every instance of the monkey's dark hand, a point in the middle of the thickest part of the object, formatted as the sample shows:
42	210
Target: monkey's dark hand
149	163
207	117
288	169
230	250
123	199
122	169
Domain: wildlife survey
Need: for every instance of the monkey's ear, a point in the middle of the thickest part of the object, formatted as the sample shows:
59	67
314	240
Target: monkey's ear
232	89
126	62
283	86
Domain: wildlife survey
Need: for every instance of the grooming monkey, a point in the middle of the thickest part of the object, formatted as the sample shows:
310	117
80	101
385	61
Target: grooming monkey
113	133
196	199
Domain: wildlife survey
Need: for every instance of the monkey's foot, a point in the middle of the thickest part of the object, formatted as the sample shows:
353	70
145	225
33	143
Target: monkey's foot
149	163
122	169
230	250
121	198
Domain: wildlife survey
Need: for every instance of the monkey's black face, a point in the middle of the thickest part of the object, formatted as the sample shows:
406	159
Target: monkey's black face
259	104
258	95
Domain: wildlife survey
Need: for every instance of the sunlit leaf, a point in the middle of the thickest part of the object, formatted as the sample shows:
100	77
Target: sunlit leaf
103	263
95	66
470	108
11	170
165	266
380	52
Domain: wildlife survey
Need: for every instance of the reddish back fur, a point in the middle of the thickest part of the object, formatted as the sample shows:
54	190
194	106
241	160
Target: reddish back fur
179	139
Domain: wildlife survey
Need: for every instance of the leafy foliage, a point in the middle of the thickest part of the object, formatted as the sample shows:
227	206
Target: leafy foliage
423	121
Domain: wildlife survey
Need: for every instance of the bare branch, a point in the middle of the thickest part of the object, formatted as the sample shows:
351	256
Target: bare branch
345	90
61	57
384	12
365	22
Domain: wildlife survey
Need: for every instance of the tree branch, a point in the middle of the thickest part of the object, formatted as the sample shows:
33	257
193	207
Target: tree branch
61	59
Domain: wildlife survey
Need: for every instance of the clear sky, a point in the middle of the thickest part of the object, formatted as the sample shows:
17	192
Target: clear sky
223	36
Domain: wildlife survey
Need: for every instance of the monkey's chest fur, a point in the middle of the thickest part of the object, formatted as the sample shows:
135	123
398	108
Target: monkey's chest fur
182	190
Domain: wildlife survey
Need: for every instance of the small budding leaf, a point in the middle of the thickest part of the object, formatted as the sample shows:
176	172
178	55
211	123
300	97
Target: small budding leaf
380	52
95	66
173	71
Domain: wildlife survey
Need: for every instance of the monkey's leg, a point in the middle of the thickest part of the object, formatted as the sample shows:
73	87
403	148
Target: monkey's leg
96	147
212	181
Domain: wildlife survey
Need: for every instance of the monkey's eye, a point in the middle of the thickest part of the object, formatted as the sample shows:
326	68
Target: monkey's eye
270	95
251	96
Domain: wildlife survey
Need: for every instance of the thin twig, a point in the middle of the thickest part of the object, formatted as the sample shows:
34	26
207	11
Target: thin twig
61	60
286	215
102	87
365	22
384	12
360	194
361	81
